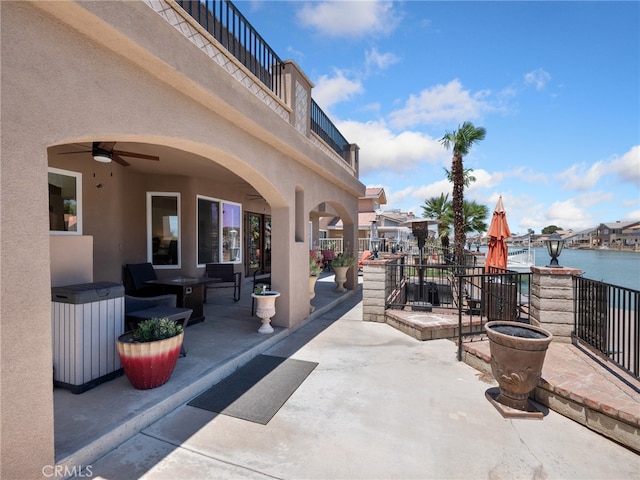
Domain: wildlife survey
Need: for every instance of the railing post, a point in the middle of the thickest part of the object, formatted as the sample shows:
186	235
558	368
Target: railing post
552	300
374	290
297	92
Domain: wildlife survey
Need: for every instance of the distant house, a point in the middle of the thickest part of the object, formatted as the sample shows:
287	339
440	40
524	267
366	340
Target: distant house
582	239
392	233
618	234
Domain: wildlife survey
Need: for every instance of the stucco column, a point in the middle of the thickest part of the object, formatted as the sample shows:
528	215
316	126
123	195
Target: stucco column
350	239
373	290
551	301
298	96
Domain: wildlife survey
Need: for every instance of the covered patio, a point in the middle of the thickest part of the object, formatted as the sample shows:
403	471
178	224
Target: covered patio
90	424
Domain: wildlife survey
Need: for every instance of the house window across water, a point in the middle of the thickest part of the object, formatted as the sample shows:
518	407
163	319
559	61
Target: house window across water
163	229
65	202
219	231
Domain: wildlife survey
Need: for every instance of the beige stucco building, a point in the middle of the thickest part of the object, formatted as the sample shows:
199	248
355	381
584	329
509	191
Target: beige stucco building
142	77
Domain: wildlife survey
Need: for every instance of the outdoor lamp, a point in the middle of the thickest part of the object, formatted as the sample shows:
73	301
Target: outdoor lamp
554	247
375	244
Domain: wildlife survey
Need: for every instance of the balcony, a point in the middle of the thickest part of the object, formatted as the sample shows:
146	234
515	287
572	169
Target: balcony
221	21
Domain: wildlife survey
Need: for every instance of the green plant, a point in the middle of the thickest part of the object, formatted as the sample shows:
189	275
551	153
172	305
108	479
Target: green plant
314	267
343	260
156	329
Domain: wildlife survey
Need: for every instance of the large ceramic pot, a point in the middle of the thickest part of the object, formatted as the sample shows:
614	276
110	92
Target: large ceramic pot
517	355
265	309
341	277
148	364
312	290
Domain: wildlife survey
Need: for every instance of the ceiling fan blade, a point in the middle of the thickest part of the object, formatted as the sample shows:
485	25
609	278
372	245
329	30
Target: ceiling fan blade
118	159
71	153
136	155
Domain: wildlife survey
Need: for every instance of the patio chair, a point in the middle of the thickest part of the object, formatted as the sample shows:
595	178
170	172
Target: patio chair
260	278
138	309
327	258
224	276
134	277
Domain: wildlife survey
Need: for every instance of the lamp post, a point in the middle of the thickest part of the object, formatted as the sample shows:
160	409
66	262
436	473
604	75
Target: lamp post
375	241
554	247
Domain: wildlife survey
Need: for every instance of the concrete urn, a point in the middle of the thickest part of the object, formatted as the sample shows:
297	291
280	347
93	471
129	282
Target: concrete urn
517	355
265	309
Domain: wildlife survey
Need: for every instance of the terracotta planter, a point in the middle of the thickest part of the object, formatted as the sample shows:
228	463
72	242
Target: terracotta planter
265	309
341	277
517	355
148	364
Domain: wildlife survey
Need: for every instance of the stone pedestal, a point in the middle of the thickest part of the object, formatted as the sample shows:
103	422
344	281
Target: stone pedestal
552	300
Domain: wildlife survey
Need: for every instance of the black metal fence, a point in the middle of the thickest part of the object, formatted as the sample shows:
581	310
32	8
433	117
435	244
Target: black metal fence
229	27
476	296
327	131
607	319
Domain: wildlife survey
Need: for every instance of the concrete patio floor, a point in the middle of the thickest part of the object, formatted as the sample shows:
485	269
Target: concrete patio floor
90	424
380	404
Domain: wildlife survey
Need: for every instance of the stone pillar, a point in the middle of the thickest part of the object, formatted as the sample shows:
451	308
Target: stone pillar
373	290
298	96
552	300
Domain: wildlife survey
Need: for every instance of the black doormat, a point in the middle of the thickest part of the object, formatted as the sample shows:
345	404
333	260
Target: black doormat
256	391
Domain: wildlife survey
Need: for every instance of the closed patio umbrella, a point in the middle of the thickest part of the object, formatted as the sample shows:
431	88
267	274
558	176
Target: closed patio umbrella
498	233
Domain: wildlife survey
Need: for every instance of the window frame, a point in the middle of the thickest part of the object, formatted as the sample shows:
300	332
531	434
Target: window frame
221	225
78	178
150	196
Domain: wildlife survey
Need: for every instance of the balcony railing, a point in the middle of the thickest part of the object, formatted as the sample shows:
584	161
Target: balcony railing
327	131
229	27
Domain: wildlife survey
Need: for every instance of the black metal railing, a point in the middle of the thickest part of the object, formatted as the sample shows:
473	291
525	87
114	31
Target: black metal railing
607	319
229	27
327	131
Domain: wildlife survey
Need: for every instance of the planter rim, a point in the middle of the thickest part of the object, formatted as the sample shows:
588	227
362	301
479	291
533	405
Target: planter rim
509	340
124	338
267	294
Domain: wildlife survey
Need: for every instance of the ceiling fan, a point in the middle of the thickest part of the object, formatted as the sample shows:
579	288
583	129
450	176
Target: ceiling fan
104	152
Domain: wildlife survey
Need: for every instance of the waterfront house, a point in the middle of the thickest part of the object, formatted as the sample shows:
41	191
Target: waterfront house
213	152
617	234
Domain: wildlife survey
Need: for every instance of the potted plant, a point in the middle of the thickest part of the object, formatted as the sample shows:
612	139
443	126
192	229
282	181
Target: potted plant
315	268
341	264
149	353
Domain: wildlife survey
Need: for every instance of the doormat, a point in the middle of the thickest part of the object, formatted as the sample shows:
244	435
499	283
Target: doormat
256	391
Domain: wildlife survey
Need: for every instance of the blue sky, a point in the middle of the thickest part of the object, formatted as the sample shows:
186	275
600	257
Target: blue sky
555	84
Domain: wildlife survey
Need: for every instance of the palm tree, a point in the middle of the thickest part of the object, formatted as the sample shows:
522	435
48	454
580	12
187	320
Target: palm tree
475	216
461	141
468	178
440	209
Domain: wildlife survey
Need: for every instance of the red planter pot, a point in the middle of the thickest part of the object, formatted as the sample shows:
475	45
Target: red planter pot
149	364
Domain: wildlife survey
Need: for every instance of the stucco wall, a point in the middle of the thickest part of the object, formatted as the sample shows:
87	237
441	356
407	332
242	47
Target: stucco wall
83	81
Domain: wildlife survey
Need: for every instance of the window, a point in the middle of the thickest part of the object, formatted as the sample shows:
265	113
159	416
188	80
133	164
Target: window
219	231
163	229
65	202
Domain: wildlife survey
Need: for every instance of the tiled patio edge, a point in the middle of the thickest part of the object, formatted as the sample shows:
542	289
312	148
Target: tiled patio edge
618	425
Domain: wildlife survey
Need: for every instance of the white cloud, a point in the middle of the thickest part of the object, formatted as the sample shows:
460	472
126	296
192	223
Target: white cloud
539	78
627	167
331	90
441	103
570	213
582	177
375	60
381	148
349	19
